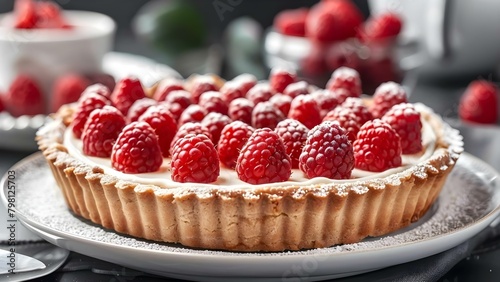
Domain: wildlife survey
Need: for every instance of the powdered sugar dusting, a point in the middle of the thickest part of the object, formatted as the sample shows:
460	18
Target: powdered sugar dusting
345	72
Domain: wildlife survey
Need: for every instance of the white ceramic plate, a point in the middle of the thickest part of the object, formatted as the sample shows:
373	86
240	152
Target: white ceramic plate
470	201
19	133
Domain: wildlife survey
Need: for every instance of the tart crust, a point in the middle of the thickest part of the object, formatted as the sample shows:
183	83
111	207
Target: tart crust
254	219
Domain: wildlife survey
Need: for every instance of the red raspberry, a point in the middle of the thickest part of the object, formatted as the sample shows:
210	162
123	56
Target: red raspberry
376	72
327	100
2	107
136	149
193	113
347	119
479	102
377	147
104	79
241	109
215	122
99	89
387	95
177	102
233	137
327	152
261	92
281	102
344	54
358	107
164	125
347	79
306	110
101	131
314	65
67	89
202	84
297	88
292	22
126	92
383	26
263	159
139	107
212	102
280	78
194	159
86	104
165	87
246	80
24	97
232	90
266	115
49	16
333	20
189	128
294	136
405	120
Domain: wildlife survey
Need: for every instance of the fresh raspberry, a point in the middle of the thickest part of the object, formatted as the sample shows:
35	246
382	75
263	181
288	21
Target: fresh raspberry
263	159
358	107
232	90
202	84
215	122
405	120
194	159
178	101
25	12
377	147
280	78
165	87
212	102
380	27
327	100
387	95
291	22
246	80
345	78
297	88
126	92
49	15
327	152
99	89
294	136
241	109
306	110
193	113
137	149
164	125
261	92
139	107
281	102
67	89
86	104
233	137
266	115
189	128
333	20
479	102
347	119
101	131
24	97
344	54
105	79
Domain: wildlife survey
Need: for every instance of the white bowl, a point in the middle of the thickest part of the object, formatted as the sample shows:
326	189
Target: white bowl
46	54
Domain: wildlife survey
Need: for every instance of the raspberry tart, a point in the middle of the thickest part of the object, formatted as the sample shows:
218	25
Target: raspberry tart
245	186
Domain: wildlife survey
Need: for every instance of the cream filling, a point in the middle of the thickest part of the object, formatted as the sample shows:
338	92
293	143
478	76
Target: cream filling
228	178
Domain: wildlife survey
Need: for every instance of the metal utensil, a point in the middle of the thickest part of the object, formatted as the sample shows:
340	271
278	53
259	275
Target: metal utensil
12	263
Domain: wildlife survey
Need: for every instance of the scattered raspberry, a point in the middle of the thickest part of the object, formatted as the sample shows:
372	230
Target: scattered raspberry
139	107
305	109
241	109
24	97
266	115
327	152
405	120
294	136
383	26
263	159
377	147
292	22
99	89
261	92
137	149
233	137
126	92
479	102
212	101
86	104
280	78
193	113
345	78
165	126
202	84
194	159
358	107
232	90
246	80
281	102
215	122
25	12
297	88
165	87
189	128
347	119
103	78
67	89
387	95
101	131
327	100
